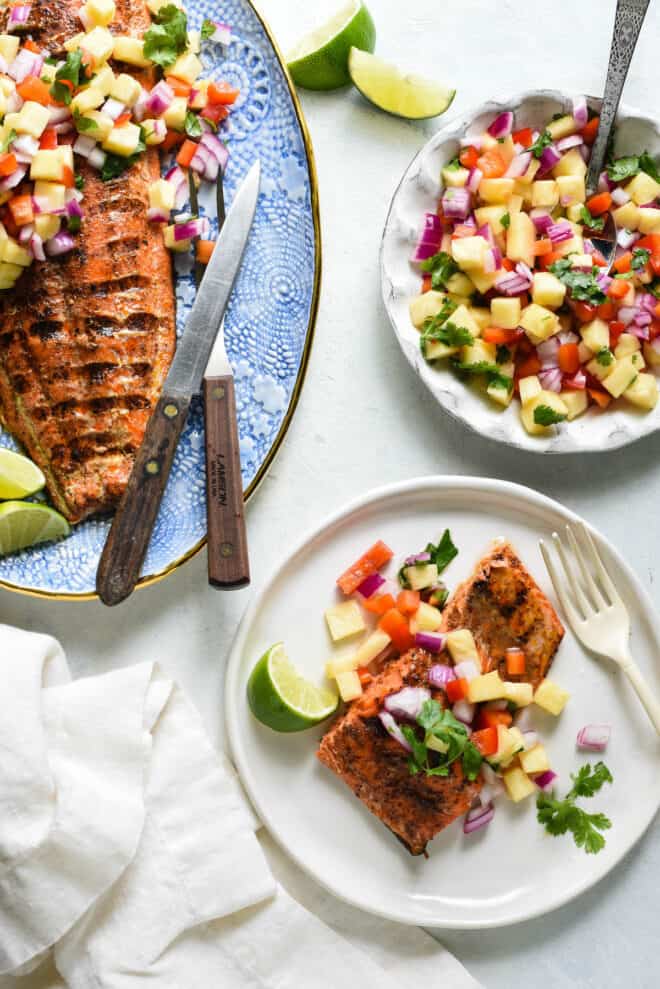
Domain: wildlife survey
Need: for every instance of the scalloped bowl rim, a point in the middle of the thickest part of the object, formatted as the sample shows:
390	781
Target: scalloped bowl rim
592	433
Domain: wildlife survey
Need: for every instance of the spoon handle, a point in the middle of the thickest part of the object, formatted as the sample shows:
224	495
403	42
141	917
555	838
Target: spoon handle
627	25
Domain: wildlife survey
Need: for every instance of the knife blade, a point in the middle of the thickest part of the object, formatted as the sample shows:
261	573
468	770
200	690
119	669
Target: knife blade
130	533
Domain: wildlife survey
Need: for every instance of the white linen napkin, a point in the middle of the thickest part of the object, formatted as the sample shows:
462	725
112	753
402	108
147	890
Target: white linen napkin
128	852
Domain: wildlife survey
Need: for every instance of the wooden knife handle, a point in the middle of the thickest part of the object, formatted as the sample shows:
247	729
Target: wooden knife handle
130	534
229	564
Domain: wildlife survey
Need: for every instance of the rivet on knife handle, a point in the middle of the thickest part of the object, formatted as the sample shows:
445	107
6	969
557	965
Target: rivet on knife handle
128	540
227	538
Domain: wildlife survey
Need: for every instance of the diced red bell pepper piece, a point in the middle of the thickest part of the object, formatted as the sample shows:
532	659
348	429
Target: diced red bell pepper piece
485	741
369	563
396	626
456	690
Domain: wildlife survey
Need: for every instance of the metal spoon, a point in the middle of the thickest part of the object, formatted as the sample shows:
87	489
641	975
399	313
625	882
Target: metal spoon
627	26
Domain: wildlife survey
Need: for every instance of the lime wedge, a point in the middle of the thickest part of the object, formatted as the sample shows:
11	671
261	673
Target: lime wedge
320	59
280	698
23	524
406	96
19	477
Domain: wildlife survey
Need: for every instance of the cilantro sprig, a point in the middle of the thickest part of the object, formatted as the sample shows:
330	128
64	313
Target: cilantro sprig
540	144
562	816
67	78
168	37
440	267
208	29
640	258
545	416
445	741
582	284
630	165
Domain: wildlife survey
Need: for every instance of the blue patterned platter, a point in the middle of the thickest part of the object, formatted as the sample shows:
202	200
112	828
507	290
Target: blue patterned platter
268	326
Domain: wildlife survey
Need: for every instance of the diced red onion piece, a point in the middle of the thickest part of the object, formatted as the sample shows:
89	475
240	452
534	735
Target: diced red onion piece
456	204
25	233
440	675
189	229
66	127
518	165
548	160
113	108
407	703
512	285
217	149
36	248
140	107
464	711
474	178
58	114
417	558
643	319
484	817
524	271
84	145
178	180
160	98
626	314
26	145
96	158
429	240
14	179
594	737
648	302
18	17
370	585
523	719
23	159
531	738
487	234
467	670
641	332
576	382
61	243
490	791
572	141
559	232
433	642
565	336
541	219
25	64
488	774
626	238
546	780
392	728
14	103
580	111
222	34
551	380
497	257
502	125
605	183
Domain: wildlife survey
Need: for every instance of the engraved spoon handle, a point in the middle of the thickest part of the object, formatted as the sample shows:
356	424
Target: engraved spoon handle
627	26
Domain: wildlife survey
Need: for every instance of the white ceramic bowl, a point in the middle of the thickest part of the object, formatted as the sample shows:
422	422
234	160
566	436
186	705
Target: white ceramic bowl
418	192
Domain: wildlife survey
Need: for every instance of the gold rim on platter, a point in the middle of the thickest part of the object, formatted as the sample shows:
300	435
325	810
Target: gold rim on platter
302	370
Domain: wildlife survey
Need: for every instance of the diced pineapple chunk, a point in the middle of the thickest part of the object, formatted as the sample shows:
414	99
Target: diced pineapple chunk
372	646
484	281
571	190
648	220
12	253
460	284
643	188
435	350
87	99
574	245
596	335
570	163
492	215
454	178
478	353
628	344
505	313
549	398
9	274
152	133
469	253
73	44
103	125
126	89
518	784
551	697
581	261
576	402
530	174
162	195
520	694
509	743
545	193
535	760
50	195
175	115
427	618
547	290
46	226
463	318
349	686
123	140
47	165
487	687
421	575
496	190
32	119
343	619
99	12
481	316
627	216
652	355
574	211
461	646
643	392
562	127
172	244
187	68
98	45
515	204
103	80
199	96
424	306
621	377
530	388
539	323
521	237
130	50
194	42
8	47
501	390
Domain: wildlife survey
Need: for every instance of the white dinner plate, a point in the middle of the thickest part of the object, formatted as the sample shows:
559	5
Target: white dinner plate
512	870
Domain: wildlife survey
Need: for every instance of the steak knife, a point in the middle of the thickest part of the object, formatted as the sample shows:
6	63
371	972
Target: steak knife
130	533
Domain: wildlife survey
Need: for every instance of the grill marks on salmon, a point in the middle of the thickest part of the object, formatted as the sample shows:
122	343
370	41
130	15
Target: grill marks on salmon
504	607
358	749
86	340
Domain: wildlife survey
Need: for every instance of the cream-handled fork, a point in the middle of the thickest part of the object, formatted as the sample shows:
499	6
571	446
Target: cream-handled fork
594	609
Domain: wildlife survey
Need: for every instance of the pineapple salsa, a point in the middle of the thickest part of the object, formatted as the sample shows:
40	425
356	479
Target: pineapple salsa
514	291
54	111
462	714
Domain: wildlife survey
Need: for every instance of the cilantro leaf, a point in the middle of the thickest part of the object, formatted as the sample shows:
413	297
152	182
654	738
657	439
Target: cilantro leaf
561	816
7	140
623	168
83	124
545	416
582	284
593	222
640	258
419	750
208	29
506	221
492	372
193	125
503	354
540	144
454	165
441	731
168	37
80	181
441	267
586	782
430	714
648	164
605	357
472	760
444	552
447	333
67	78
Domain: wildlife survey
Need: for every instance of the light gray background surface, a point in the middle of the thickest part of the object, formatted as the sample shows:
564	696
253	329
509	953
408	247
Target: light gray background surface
364	420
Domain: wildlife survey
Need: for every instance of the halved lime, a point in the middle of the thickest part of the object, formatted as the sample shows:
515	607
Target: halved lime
408	96
23	524
280	698
19	477
320	59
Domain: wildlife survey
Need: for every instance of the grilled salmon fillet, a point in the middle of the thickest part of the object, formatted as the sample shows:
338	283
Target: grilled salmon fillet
87	339
503	607
358	749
